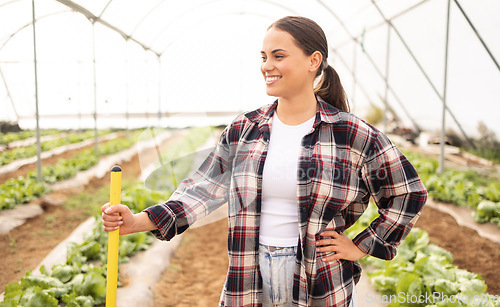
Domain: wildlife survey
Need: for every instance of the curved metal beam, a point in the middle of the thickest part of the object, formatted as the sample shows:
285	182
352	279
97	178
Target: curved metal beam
105	8
8	94
93	19
29	25
7	3
146	16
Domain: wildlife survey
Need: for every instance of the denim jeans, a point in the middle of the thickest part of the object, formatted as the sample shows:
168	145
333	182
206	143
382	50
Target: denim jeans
277	267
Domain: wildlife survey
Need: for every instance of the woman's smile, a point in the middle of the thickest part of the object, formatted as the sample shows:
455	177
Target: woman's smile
272	79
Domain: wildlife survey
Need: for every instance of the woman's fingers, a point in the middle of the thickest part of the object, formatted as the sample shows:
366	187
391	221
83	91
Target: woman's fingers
113	216
329	237
115	210
326	242
327	245
330	233
111	227
112	220
339	243
333	257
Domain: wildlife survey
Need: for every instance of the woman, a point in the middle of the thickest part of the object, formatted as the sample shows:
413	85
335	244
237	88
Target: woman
295	175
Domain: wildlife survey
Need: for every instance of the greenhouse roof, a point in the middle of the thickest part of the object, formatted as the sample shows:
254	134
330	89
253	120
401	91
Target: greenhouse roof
177	57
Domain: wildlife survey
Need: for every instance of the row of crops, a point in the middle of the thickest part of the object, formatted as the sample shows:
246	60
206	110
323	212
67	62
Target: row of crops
422	274
23	189
10	137
11	155
81	280
463	188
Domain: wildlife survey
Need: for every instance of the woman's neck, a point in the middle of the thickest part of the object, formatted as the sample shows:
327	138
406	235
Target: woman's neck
296	110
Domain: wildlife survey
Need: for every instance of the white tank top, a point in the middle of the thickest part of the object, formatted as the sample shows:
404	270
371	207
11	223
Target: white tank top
279	214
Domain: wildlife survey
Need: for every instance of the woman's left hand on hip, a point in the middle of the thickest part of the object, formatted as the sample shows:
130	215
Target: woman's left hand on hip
339	243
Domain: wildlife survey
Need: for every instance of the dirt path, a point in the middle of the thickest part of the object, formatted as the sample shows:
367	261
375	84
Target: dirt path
25	246
470	251
198	269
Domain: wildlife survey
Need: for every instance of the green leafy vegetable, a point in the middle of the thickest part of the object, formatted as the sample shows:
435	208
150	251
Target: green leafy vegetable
34	297
463	188
42	281
488	209
63	272
418	269
9	303
13	291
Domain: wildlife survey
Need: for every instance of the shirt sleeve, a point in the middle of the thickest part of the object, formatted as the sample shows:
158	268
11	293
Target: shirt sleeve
196	196
398	193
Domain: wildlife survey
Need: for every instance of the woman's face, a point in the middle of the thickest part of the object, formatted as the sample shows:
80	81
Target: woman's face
285	67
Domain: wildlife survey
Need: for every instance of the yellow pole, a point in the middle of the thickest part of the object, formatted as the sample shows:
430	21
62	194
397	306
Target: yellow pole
113	239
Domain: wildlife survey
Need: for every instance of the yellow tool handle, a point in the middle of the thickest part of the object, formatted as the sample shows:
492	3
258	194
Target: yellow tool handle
113	239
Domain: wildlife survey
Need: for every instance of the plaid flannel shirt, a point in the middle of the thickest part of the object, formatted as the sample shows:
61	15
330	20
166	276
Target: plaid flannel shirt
343	162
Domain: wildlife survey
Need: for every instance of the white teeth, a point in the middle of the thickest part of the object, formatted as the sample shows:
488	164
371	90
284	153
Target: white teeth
272	79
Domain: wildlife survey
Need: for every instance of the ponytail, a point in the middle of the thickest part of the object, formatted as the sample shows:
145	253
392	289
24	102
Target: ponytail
331	90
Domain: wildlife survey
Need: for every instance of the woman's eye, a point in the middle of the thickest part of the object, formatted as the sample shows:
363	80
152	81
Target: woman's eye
278	56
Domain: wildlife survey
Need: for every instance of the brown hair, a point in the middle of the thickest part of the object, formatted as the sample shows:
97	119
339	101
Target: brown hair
310	37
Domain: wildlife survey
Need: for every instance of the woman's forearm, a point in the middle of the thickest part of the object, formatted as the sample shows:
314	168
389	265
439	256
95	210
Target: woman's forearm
143	223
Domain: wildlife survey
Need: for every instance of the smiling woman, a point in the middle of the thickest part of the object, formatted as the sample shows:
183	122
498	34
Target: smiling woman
295	174
303	37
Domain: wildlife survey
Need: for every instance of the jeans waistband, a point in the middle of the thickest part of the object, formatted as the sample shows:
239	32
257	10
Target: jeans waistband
283	250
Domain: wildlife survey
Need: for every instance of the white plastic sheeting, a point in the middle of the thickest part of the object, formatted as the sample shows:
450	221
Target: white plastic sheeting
203	55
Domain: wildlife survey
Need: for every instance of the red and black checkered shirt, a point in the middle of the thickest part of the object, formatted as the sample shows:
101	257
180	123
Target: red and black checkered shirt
342	163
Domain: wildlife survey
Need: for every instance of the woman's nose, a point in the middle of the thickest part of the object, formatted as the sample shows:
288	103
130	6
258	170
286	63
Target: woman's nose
267	66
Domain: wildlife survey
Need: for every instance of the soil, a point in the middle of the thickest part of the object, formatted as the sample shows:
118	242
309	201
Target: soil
23	248
197	270
470	251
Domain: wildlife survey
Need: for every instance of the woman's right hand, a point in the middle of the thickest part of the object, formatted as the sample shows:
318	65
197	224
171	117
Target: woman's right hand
117	217
120	217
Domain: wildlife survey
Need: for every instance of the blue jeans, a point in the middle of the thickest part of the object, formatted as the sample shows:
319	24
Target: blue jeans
277	267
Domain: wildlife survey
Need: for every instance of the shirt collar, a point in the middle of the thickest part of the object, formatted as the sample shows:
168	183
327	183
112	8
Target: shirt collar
325	113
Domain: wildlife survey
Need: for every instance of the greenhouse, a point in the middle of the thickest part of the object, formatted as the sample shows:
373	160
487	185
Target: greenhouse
154	86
